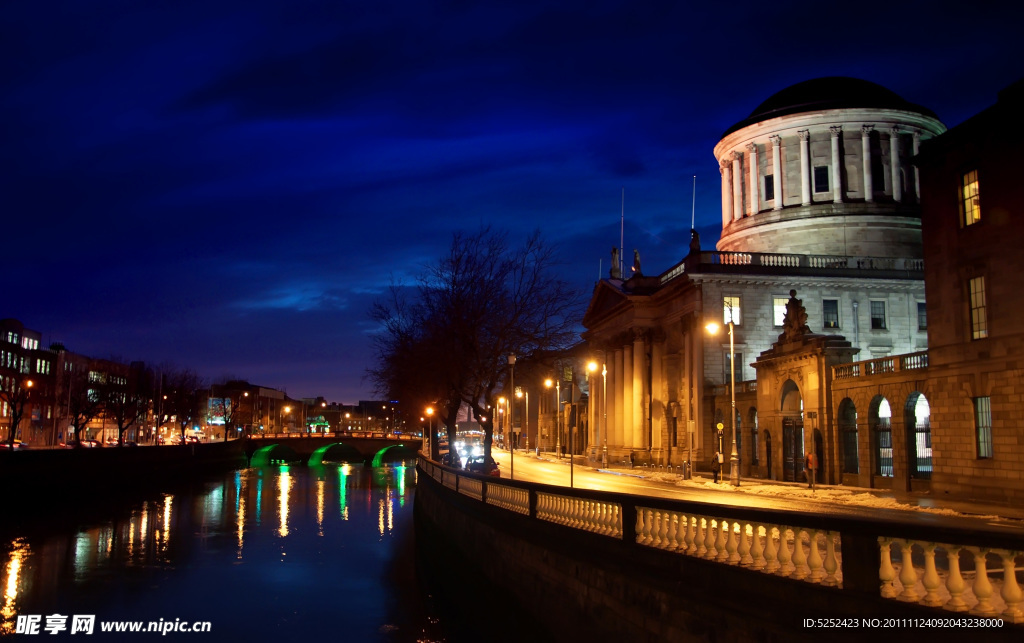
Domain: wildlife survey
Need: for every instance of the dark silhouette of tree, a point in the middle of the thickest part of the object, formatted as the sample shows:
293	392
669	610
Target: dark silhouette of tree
15	390
477	305
183	389
126	396
81	387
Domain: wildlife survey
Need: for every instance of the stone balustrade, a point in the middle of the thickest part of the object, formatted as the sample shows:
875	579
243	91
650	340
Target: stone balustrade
950	569
881	365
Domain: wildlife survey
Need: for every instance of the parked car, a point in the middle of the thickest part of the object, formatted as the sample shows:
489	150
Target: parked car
451	459
483	464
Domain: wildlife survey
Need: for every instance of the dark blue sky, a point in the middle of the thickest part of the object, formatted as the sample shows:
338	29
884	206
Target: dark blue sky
228	185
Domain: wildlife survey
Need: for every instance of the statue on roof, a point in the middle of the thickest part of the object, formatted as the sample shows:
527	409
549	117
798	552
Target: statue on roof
636	263
694	242
615	273
794	324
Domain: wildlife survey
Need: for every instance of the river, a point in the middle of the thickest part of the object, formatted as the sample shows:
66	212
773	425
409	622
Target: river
277	552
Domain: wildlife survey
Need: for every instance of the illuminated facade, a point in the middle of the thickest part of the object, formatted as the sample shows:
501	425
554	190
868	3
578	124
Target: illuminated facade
851	251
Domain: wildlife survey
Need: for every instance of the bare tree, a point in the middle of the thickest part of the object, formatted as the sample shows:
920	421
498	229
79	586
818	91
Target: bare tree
480	303
15	390
126	398
182	389
79	386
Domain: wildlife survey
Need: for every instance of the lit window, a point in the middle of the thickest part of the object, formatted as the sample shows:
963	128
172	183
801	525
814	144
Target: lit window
922	316
878	315
983	426
979	318
830	313
970	206
779	310
769	187
739	368
731	308
821	178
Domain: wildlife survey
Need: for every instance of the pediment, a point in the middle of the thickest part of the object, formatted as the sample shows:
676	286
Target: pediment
608	297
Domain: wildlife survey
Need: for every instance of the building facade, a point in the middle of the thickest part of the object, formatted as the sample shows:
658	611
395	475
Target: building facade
852	252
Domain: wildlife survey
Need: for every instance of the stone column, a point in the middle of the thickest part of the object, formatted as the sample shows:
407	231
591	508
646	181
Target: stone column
726	169
737	188
917	172
894	163
865	144
639	394
593	408
615	413
754	204
777	170
659	406
627	396
805	166
837	164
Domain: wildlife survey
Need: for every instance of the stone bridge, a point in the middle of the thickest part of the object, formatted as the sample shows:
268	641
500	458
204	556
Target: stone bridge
263	449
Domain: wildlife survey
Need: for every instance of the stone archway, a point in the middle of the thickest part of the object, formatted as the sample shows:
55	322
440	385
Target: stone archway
917	420
791	407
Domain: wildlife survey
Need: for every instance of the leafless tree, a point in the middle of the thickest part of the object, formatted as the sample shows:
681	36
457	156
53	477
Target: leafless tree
183	389
477	305
126	398
15	390
81	388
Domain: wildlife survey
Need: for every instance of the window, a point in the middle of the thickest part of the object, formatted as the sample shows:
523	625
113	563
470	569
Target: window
922	316
878	315
983	426
779	310
769	187
970	206
731	310
979	317
830	313
739	368
821	178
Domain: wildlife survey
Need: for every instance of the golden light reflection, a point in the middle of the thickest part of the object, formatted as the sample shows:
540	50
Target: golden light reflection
19	553
131	535
380	516
240	525
168	501
320	506
143	528
284	483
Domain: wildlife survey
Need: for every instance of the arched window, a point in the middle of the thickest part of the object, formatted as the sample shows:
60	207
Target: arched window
883	438
919	436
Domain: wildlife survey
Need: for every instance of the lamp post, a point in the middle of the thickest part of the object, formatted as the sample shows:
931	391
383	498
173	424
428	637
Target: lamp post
558	414
512	387
430	438
602	427
526	429
734	457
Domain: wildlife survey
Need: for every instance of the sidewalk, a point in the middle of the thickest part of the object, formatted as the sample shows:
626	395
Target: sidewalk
841	494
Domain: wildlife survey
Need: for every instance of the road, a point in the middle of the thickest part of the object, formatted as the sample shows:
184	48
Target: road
832	500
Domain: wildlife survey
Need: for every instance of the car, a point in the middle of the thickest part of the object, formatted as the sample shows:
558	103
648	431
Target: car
483	464
451	459
18	445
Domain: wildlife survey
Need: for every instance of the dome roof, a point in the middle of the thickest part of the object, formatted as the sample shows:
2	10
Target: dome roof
833	92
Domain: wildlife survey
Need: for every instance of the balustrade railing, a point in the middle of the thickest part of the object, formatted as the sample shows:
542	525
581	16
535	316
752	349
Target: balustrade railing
881	365
960	569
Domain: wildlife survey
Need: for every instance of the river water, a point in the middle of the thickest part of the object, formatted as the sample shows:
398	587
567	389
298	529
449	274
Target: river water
277	552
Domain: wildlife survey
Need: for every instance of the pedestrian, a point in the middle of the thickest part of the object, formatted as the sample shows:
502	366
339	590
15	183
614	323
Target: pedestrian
716	464
811	468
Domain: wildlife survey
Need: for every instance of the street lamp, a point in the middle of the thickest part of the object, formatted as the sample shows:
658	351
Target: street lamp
430	438
558	414
526	428
512	387
603	427
734	457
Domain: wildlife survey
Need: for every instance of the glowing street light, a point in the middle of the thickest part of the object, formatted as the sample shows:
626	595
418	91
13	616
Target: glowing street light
734	457
512	387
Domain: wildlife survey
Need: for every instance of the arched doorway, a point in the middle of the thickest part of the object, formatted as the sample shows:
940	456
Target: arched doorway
917	413
847	422
880	421
792	432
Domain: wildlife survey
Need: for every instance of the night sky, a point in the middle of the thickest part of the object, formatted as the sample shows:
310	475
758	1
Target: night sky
228	185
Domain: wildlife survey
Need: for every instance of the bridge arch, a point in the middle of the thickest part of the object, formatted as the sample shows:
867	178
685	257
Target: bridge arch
265	455
342	451
378	458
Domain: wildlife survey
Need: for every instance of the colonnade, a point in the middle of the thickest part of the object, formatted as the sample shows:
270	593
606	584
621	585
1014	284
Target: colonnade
736	204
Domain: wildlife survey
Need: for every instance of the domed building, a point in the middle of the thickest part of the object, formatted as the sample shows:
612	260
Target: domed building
818	197
823	167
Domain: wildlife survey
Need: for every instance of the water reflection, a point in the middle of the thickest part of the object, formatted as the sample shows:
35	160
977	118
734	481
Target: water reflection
204	553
